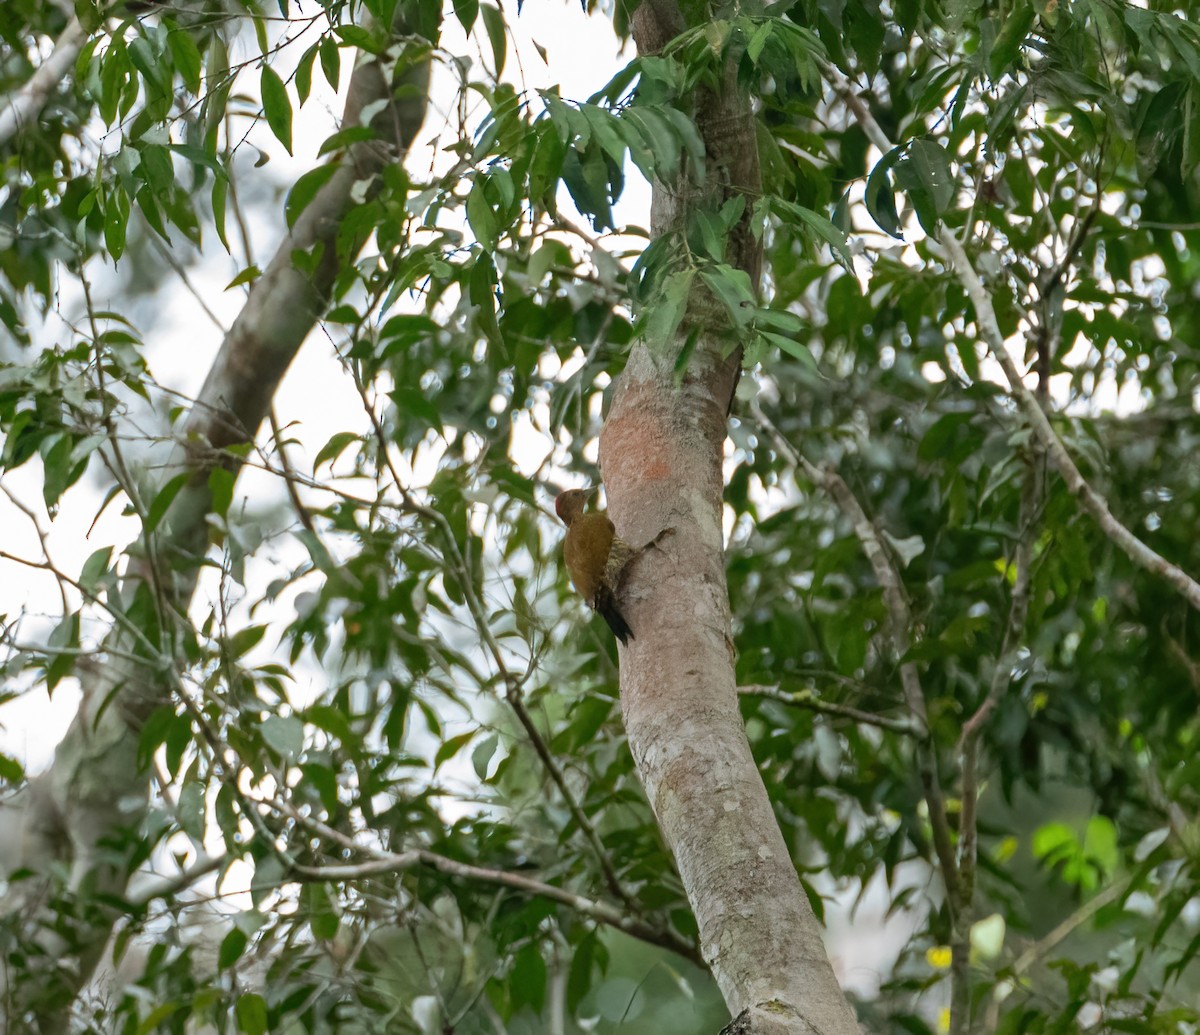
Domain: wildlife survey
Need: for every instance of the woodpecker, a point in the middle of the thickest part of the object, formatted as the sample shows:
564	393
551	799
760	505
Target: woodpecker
595	557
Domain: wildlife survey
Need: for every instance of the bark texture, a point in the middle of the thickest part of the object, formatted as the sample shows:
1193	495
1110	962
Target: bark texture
57	838
661	452
24	105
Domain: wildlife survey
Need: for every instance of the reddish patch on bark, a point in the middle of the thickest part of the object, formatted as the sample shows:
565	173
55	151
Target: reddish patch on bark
636	444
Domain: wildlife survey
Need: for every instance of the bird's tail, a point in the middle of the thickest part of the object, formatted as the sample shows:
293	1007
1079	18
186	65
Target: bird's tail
606	607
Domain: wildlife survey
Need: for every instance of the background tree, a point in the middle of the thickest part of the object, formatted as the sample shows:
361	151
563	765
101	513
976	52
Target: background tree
347	754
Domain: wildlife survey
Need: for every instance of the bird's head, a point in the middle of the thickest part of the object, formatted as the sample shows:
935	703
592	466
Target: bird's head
570	504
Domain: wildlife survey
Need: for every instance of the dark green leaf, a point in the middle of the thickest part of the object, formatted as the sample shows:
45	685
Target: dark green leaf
493	23
163	500
276	106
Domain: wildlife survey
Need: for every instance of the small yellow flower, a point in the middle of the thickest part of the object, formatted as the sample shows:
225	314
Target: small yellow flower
944	1019
938	957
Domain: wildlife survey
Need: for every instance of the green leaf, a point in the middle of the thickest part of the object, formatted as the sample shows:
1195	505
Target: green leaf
932	163
1053	839
154	732
527	983
1008	44
1100	844
247	276
799	352
344	138
146	61
1190	156
95	568
666	313
481	757
277	107
116	222
825	231
412	404
924	173
732	288
331	62
154	1020
220	193
583	966
661	155
493	23
759	40
335	447
322	914
586	179
452	747
245	640
260	32
305	189
546	166
191	809
880	195
465	11
185	54
284	734
356	36
693	144
220	485
481	216
163	500
303	76
252	1016
11	771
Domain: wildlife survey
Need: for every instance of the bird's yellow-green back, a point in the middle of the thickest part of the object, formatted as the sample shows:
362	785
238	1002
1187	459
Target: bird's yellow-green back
586	553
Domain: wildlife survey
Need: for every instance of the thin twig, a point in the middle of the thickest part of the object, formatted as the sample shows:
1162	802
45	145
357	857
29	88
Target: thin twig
811	700
170	886
382	861
611	916
41	534
1081	916
169	258
154	657
289	476
1181	656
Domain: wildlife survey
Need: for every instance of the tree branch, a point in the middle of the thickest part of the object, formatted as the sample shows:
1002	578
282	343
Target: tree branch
602	912
989	329
382	861
65	817
1035	952
899	622
26	103
811	700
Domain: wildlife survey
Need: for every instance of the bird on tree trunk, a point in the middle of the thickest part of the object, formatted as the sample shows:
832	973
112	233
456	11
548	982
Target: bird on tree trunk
595	557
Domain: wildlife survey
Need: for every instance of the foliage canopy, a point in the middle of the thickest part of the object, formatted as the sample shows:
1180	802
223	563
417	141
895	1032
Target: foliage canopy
384	712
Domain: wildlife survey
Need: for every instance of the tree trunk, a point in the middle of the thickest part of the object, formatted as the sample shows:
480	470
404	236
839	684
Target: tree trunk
661	453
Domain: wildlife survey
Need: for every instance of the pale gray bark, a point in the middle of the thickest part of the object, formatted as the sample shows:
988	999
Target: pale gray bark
661	453
55	833
23	106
